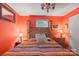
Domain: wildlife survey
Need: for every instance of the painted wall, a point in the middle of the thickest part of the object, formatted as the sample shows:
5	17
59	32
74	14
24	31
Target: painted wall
60	20
8	34
10	31
21	23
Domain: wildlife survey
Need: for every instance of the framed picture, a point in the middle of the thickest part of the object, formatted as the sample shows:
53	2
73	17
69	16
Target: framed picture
42	23
6	13
55	26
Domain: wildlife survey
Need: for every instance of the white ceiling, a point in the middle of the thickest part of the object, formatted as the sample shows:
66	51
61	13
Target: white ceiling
35	9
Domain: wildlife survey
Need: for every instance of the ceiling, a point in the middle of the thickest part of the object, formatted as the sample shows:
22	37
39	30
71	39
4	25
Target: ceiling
35	9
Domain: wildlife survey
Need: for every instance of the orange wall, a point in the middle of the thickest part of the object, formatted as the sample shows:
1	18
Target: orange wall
60	20
21	22
8	33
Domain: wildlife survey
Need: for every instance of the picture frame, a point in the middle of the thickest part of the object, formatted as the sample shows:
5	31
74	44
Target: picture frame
6	13
55	26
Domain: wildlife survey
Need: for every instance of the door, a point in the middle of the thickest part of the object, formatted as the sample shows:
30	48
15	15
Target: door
74	33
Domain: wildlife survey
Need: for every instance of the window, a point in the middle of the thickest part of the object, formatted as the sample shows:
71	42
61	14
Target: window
41	23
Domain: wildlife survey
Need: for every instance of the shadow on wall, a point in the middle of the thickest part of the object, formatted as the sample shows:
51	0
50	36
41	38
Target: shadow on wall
8	34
